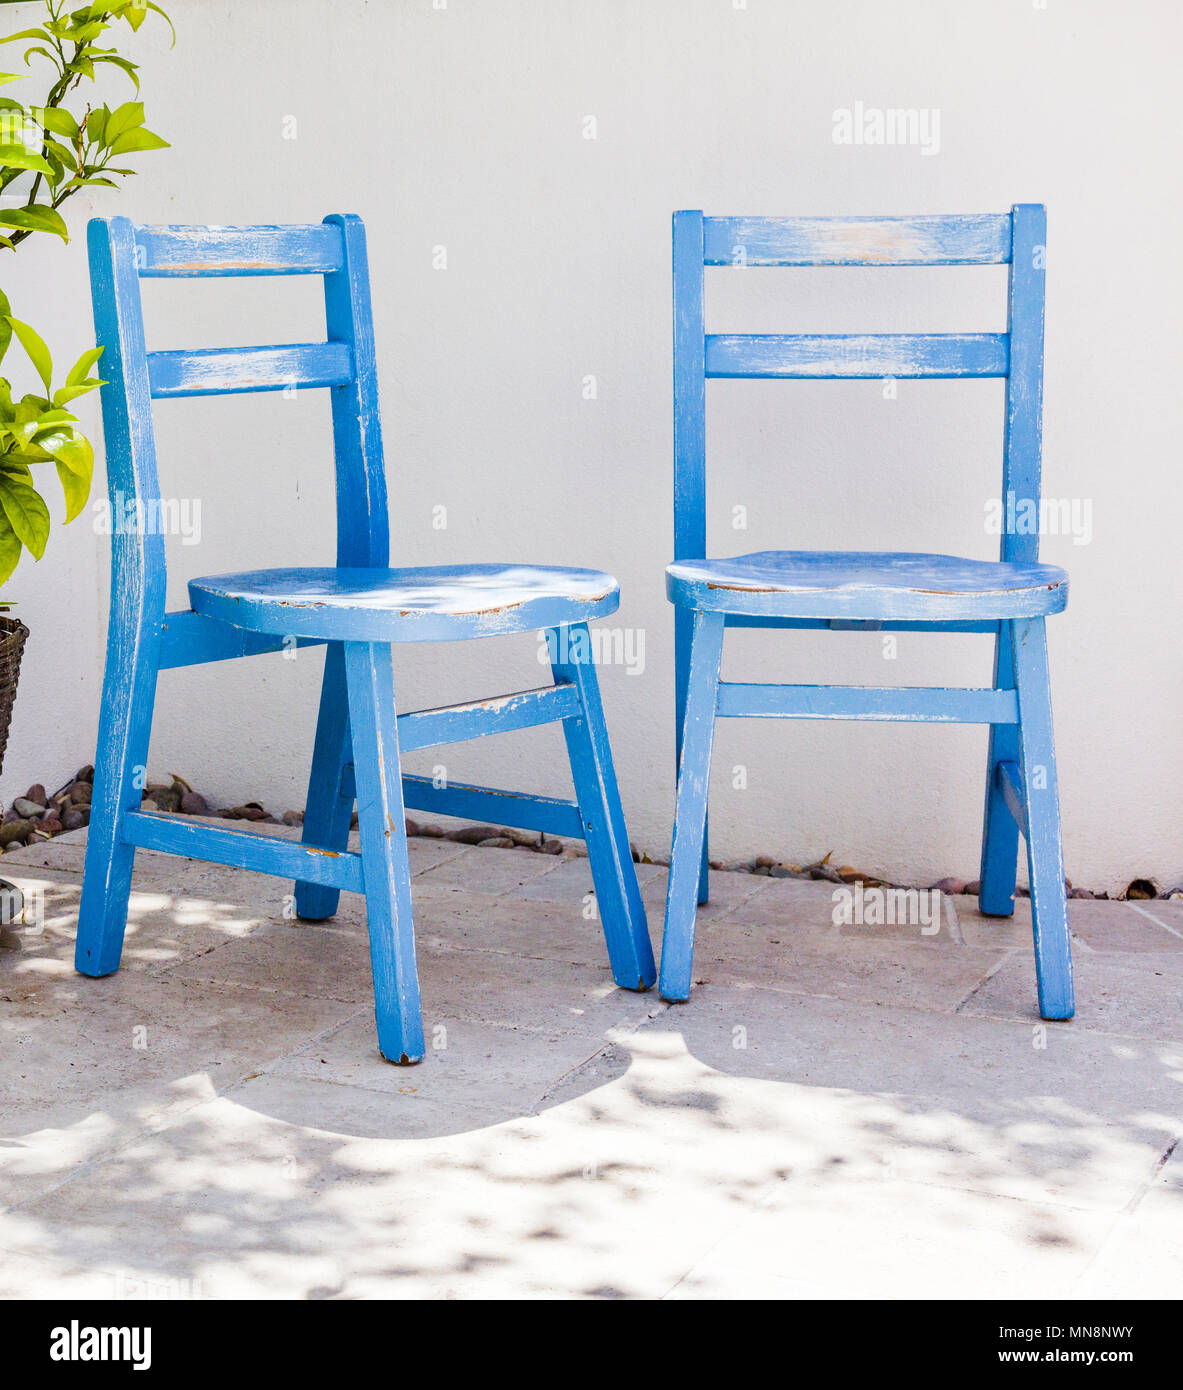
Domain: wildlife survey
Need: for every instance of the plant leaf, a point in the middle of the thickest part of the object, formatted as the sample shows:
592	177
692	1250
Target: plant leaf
36	218
59	120
95	125
75	489
28	34
21	157
10	464
123	118
129	68
52	418
64	394
134	12
70	449
78	371
27	513
153	6
45	53
34	345
137	139
61	154
10	549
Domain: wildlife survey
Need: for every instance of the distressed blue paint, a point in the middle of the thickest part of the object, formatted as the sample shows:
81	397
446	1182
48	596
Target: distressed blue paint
188	639
786	241
369	677
363	539
694	775
226	371
859	584
1000	825
1020	478
518	809
1010	785
857	624
918	704
690	479
622	914
430	728
329	805
137	598
837	356
429	603
1022	446
241	849
889	591
357	610
1041	803
186	252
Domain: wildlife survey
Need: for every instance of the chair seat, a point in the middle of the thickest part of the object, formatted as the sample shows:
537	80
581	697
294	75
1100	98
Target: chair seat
435	603
867	584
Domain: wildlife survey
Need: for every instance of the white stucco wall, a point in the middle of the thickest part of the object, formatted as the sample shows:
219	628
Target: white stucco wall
465	126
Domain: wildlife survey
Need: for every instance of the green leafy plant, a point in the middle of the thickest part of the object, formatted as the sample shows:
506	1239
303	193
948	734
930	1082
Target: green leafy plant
56	152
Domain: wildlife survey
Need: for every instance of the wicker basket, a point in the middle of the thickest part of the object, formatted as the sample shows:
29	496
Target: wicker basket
12	645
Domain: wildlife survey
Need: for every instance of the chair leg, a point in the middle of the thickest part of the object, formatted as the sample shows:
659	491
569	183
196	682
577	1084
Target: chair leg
1049	909
1000	834
125	726
386	869
329	806
683	634
694	775
622	913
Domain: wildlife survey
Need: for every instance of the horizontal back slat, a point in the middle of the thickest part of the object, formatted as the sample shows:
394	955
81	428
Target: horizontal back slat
186	252
224	371
980	239
821	355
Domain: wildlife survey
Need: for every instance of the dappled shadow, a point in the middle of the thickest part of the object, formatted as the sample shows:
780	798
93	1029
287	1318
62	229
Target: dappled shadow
163	927
568	1138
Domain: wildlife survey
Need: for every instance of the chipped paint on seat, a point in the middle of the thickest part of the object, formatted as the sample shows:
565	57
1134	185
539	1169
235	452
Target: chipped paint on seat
429	603
868	585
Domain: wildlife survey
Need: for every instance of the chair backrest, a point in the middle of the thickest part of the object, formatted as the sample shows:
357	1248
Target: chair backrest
1015	239
121	254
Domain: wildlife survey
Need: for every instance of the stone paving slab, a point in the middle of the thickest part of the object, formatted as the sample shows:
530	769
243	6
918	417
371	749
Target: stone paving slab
164	926
838	1111
492	870
1096	926
570	881
1136	995
1142	1256
81	1080
819	1239
864	970
474	1063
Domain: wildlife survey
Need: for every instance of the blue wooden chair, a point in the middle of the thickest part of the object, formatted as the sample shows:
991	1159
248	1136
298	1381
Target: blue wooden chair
357	609
840	590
